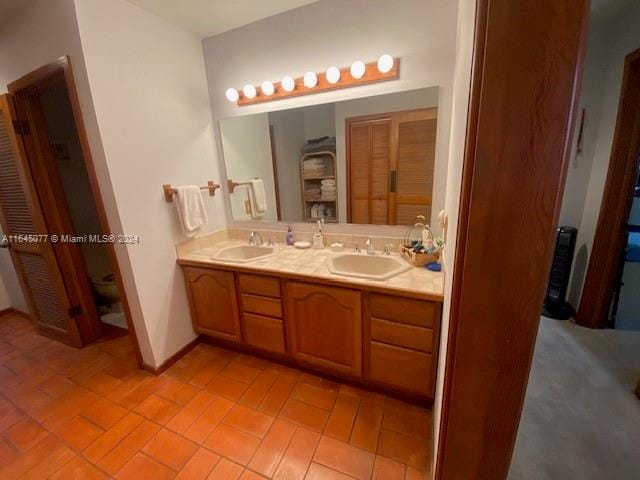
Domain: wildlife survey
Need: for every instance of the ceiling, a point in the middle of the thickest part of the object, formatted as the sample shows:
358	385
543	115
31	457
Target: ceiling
205	18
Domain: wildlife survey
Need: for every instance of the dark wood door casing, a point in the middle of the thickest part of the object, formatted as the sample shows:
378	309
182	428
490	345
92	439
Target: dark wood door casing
527	66
23	222
610	236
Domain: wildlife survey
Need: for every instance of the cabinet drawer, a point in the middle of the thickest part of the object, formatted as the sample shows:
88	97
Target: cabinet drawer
402	335
271	307
399	367
259	285
406	310
264	332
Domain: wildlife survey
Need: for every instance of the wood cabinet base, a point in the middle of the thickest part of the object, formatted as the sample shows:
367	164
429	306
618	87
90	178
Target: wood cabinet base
287	361
374	340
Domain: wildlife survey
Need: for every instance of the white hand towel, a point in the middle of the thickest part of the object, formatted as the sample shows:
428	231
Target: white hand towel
190	207
258	198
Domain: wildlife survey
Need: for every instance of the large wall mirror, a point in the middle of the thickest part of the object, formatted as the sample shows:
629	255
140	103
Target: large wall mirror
369	160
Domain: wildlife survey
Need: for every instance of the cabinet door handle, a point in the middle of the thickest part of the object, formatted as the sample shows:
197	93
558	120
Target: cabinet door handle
393	183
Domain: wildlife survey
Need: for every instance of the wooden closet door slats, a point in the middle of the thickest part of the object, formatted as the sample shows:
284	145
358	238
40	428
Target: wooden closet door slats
391	161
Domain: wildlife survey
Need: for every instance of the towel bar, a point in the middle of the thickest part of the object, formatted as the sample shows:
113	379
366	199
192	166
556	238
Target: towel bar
169	191
231	185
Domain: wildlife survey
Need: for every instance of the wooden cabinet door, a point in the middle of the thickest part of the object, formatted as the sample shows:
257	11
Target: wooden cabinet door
213	302
325	326
402	367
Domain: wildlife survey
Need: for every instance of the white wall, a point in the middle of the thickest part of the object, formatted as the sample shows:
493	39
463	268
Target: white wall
394	102
247	154
157	126
148	86
5	299
610	40
335	32
579	169
461	88
319	121
289	137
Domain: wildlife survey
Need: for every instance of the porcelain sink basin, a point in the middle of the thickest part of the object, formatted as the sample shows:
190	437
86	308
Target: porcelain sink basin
244	253
372	267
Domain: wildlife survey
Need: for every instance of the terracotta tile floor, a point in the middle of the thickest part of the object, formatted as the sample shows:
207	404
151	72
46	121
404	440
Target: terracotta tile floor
216	414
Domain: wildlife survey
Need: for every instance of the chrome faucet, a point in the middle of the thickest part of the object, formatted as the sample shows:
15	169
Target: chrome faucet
387	249
369	246
356	247
255	239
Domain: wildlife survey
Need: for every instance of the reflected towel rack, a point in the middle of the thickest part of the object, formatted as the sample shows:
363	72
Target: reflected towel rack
169	191
232	185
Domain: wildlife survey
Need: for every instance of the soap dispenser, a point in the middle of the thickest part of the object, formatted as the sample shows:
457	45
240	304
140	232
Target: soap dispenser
318	239
290	241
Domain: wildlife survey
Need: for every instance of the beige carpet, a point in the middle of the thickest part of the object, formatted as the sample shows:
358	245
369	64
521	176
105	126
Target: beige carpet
581	419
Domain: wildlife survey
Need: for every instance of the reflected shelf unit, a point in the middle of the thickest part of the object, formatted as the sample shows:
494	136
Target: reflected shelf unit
319	186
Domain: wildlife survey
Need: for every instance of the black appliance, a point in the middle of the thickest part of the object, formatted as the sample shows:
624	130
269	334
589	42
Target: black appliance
555	305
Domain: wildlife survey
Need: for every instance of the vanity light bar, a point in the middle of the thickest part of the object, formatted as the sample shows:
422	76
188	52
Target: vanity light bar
359	73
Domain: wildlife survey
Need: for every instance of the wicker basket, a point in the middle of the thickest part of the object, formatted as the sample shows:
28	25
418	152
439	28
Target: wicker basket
418	259
417	233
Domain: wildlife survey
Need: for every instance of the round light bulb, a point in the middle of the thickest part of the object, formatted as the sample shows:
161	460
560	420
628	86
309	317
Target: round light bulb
288	83
267	88
249	91
310	79
357	69
385	63
333	74
232	94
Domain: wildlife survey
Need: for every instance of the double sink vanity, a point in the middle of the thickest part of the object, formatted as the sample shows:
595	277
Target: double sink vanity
374	164
372	319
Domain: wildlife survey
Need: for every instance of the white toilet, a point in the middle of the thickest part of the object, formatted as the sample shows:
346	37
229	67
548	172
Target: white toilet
106	288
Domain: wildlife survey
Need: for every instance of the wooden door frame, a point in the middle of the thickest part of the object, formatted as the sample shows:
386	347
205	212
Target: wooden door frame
43	75
51	196
274	163
519	127
609	240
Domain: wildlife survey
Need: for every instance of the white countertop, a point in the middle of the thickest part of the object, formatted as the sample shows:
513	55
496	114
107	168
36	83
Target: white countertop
312	263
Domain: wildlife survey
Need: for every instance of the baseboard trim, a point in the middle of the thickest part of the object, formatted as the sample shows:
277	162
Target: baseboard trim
172	359
14	311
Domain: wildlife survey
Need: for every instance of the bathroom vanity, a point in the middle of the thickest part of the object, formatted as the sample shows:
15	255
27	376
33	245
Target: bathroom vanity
370	319
374	333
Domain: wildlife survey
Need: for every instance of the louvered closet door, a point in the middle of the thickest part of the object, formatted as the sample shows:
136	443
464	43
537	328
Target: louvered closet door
369	160
416	157
20	215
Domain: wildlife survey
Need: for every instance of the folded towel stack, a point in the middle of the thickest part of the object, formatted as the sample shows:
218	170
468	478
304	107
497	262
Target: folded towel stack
316	167
313	192
328	189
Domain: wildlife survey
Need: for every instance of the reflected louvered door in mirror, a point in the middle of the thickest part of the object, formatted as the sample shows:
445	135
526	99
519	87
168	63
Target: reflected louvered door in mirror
390	166
415	165
24	226
369	162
